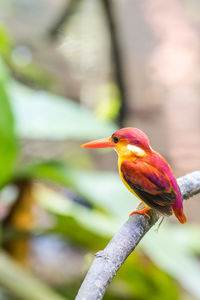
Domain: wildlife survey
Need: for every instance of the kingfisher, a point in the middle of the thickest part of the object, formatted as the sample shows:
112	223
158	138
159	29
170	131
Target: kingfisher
144	172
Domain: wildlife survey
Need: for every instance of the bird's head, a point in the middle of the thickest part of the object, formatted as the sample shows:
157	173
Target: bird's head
126	141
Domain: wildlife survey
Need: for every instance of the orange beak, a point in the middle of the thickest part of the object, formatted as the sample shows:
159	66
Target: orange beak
102	143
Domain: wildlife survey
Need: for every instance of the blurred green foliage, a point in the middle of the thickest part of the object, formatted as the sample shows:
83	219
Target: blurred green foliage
85	207
8	145
5	42
46	116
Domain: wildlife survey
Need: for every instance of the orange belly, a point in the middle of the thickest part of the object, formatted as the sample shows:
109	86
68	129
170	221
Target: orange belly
120	160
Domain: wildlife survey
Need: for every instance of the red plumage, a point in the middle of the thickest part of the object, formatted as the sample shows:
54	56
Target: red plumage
151	178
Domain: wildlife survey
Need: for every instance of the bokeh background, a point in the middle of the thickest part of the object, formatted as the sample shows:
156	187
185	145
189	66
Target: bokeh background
72	71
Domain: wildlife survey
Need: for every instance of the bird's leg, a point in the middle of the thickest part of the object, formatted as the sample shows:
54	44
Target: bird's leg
141	212
139	204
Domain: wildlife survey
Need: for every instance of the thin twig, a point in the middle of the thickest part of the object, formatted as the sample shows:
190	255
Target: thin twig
117	58
66	13
107	262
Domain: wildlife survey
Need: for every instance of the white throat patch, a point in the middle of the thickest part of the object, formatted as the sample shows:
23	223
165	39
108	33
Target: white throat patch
137	150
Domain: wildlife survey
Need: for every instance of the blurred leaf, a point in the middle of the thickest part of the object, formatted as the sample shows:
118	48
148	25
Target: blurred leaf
103	189
144	280
7	132
21	284
173	250
54	171
43	115
5	41
82	225
74	220
106	190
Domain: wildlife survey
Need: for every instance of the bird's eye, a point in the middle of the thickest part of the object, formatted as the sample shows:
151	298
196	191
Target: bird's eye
115	139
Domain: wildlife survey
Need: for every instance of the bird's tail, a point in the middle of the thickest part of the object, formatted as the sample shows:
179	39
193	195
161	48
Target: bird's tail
180	215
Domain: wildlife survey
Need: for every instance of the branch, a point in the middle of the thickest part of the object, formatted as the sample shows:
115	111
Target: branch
117	59
66	13
107	262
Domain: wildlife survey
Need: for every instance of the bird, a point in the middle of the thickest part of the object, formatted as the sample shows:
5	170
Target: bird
144	172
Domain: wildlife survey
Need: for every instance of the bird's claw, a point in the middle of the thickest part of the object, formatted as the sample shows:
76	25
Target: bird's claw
139	204
141	212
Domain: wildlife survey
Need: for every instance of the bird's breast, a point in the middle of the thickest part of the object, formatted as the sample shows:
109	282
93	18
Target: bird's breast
120	160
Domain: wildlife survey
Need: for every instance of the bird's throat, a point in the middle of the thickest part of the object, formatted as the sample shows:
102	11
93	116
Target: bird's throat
129	152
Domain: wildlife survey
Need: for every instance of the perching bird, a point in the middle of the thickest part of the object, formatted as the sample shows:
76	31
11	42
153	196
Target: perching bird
144	172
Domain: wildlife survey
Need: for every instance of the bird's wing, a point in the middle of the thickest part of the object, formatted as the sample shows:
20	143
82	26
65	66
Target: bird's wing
150	184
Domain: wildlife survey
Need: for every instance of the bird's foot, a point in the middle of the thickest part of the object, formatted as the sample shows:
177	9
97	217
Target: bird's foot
141	212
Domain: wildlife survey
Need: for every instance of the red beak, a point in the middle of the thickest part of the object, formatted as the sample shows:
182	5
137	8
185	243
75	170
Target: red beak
102	143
